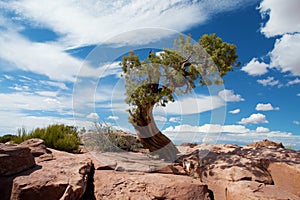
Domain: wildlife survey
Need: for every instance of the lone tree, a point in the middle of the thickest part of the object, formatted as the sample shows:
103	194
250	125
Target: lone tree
155	80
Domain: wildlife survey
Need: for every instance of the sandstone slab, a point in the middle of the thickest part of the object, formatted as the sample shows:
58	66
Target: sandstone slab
139	185
14	159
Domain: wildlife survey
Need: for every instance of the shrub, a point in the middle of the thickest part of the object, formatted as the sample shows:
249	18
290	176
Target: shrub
7	138
105	139
58	136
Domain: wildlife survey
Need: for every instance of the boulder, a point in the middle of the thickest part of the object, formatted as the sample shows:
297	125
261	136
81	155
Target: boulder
286	176
251	190
62	177
14	159
37	146
265	162
139	185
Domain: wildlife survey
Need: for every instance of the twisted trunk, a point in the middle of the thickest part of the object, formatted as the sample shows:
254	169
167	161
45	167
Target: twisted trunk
151	137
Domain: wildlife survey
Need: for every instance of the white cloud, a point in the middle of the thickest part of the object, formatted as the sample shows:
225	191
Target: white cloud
113	117
255	68
41	58
8	77
283	21
265	107
236	111
160	118
270	81
191	105
229	96
254	119
283	17
237	134
298	95
285	55
92	22
293	82
261	129
93	116
174	119
296	122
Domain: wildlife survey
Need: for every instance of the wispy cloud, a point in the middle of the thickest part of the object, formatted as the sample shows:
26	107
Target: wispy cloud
191	105
270	81
236	111
90	22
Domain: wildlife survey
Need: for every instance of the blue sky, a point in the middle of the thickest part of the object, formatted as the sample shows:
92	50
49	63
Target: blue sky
59	64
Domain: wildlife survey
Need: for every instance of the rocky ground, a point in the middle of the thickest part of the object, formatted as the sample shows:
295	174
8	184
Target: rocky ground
262	170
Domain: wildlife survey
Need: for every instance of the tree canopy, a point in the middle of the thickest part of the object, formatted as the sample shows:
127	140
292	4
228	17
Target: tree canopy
155	80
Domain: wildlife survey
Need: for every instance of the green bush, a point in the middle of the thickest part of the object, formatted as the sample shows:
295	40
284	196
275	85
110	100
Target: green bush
58	136
7	138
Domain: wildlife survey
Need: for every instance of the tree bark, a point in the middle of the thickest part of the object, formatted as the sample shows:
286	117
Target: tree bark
152	138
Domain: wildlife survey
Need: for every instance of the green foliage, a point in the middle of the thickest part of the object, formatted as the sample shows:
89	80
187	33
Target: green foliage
105	139
7	138
58	136
156	79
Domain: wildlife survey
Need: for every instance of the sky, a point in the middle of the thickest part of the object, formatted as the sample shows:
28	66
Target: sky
59	63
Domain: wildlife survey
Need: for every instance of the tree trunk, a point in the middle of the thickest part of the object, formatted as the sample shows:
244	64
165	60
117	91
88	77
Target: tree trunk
151	138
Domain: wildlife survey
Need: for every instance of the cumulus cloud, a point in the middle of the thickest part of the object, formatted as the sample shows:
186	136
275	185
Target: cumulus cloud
283	21
113	117
270	81
229	96
255	68
283	18
236	111
285	55
298	95
265	107
261	129
93	116
256	118
237	134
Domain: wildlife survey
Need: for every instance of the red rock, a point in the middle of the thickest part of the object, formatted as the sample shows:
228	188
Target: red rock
14	159
124	185
37	146
251	190
64	177
286	176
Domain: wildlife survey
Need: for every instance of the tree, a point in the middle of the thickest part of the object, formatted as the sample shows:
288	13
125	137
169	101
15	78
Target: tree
154	81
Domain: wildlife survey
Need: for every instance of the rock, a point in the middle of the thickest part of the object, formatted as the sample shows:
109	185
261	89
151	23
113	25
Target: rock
171	169
264	163
251	190
188	144
222	164
124	185
266	143
14	159
63	177
37	146
126	161
286	176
